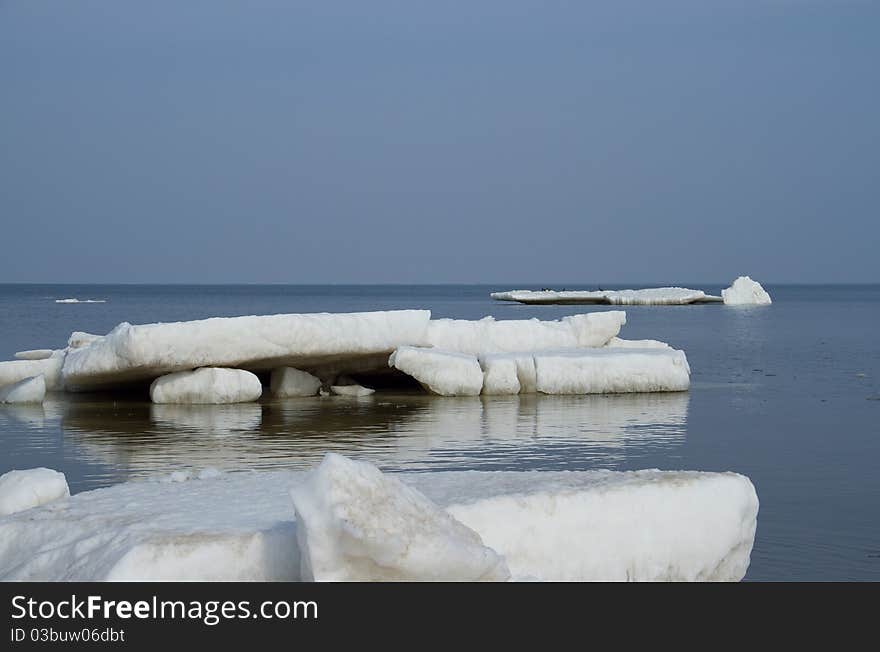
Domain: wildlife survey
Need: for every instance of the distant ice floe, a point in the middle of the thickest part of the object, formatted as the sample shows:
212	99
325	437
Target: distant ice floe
346	520
74	300
743	291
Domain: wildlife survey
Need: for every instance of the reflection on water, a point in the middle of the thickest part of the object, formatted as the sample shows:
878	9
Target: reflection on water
399	431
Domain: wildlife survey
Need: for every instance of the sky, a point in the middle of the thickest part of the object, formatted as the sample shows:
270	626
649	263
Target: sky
439	142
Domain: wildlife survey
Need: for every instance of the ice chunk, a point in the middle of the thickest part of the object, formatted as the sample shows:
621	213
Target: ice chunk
21	490
440	372
29	390
34	354
673	296
351	390
745	291
288	382
490	336
356	524
254	343
212	385
500	374
610	370
593	525
14	371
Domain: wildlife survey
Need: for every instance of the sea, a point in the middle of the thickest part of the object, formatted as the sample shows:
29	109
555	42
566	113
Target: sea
787	394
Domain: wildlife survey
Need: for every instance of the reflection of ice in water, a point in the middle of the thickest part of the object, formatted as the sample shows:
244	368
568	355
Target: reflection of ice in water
29	416
403	432
208	419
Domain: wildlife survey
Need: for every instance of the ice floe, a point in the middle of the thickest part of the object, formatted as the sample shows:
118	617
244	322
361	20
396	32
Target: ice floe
75	300
287	382
745	291
29	390
21	490
357	524
253	343
206	385
667	296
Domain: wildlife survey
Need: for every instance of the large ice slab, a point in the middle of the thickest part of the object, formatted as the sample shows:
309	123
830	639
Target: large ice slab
29	390
440	372
595	525
667	296
253	343
745	291
356	524
490	336
208	385
620	367
23	489
611	371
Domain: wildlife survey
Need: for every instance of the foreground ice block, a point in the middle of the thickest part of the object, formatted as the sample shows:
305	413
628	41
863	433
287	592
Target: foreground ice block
595	525
356	524
440	372
667	296
288	382
254	343
351	390
490	336
29	390
745	291
208	385
21	490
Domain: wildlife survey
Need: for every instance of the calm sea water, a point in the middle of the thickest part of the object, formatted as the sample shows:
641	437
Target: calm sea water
786	394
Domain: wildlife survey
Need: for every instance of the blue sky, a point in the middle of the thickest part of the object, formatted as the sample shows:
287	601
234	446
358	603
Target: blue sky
421	142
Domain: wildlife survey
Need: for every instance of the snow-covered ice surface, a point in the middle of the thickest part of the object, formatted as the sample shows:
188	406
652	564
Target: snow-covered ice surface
356	524
592	525
490	336
253	343
21	490
75	300
29	390
13	371
287	382
668	296
34	354
206	385
440	372
744	291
